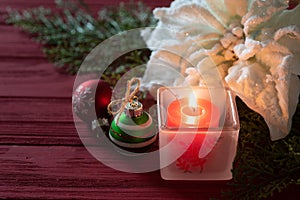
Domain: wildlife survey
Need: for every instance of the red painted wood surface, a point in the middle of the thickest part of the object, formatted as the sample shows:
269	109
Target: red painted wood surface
41	155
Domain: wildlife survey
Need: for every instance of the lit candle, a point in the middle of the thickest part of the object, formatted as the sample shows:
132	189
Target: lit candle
198	133
196	113
192	111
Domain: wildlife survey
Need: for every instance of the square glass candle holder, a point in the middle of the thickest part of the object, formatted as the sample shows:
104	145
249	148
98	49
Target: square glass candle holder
198	133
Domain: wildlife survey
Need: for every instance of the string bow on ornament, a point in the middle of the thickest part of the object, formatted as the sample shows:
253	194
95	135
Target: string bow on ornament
130	97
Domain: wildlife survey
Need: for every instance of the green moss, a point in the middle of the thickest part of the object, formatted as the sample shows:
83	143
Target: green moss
263	167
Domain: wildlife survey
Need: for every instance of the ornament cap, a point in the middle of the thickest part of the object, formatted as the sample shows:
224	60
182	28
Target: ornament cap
134	108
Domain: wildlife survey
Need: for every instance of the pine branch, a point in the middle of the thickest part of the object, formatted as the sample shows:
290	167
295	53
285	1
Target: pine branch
69	33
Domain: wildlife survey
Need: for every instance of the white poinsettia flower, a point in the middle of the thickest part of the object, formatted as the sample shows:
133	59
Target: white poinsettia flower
253	44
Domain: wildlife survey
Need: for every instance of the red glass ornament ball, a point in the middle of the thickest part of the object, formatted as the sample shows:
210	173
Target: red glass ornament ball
90	97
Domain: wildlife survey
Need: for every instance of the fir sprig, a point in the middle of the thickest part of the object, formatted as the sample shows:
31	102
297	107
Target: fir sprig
69	33
132	60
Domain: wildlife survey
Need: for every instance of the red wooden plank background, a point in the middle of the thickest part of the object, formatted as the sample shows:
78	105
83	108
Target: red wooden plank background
41	155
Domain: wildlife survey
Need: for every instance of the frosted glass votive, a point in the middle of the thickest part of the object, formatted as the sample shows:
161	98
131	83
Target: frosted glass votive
202	148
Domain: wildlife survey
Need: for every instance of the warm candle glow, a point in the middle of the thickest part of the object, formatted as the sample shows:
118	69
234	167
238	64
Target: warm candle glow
193	101
192	111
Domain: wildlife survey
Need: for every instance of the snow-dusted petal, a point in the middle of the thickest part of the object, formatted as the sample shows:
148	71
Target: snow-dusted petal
209	73
186	16
218	9
261	11
293	45
285	29
246	79
236	7
266	94
162	71
283	19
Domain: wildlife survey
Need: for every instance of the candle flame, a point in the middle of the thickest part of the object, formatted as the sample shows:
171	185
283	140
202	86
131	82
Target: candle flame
193	101
192	111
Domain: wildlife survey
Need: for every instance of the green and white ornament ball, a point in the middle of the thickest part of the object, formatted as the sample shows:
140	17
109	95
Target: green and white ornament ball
133	128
